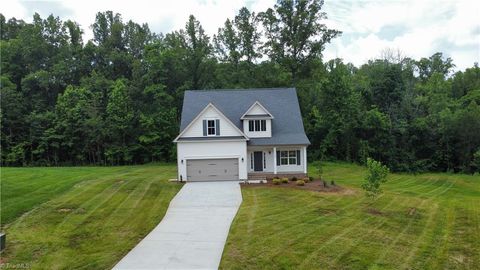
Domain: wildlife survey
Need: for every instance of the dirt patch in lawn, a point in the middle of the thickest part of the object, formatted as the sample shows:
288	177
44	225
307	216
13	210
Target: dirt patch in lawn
375	212
412	211
316	185
69	210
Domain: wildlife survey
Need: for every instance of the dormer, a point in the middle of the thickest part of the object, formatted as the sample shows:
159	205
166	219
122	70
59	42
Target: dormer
257	121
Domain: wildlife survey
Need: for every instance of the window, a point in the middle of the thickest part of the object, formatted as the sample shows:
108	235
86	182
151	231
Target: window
292	157
211	127
288	157
257	125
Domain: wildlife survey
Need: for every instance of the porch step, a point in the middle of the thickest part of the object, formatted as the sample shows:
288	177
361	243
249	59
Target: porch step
256	177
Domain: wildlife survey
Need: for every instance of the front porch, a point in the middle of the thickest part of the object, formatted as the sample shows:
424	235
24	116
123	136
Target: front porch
265	162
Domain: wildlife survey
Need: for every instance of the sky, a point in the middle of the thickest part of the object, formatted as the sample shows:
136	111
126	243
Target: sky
416	28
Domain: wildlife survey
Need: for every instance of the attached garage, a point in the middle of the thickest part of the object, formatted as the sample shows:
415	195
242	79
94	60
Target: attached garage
212	169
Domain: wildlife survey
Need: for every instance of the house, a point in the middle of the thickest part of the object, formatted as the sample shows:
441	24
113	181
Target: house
241	134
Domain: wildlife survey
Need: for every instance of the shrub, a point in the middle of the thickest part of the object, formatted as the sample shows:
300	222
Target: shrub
284	180
294	178
332	183
376	175
300	183
276	181
325	183
311	178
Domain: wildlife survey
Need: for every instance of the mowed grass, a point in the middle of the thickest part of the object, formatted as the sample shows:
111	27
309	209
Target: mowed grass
90	217
427	221
82	217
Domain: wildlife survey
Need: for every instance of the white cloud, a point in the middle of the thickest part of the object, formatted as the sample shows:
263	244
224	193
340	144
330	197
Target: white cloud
428	26
418	28
161	16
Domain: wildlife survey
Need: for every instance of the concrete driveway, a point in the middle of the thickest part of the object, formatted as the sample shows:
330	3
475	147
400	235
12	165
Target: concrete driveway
193	232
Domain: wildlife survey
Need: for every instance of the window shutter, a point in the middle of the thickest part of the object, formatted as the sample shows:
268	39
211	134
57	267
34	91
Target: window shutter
217	127
278	158
298	157
204	127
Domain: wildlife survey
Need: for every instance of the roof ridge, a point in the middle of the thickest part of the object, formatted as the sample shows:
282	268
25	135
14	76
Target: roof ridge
240	89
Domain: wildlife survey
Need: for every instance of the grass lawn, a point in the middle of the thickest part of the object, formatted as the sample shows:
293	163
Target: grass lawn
82	217
428	221
90	217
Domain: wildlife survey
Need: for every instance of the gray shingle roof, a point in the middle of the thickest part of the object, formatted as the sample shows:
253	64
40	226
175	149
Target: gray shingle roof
282	103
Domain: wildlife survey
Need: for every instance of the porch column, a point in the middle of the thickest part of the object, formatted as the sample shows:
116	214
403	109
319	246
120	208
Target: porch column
305	159
274	160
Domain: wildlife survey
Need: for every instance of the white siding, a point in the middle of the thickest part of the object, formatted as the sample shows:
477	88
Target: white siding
209	150
196	129
256	109
258	134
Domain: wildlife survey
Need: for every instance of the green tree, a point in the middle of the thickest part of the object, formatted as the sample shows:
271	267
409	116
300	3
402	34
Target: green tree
116	99
475	164
227	43
296	33
375	130
158	121
73	111
466	127
465	82
340	107
376	176
120	116
434	64
13	123
249	35
198	53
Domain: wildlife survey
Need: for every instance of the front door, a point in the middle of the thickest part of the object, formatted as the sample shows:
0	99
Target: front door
258	161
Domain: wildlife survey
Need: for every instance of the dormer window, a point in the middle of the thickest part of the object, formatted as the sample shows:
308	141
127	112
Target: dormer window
211	129
257	125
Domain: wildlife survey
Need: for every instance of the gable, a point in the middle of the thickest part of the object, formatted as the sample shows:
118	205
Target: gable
195	129
257	109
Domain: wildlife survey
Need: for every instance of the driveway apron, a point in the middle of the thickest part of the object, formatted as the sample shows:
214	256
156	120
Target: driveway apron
193	232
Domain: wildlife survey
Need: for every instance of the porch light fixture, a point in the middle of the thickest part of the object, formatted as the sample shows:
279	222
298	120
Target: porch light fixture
182	161
242	159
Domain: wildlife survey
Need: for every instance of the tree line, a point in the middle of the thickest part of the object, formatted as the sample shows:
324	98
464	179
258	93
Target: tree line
116	99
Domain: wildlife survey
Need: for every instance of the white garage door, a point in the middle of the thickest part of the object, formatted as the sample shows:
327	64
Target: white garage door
212	169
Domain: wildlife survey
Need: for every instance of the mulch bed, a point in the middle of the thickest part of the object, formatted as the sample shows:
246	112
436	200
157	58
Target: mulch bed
316	185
